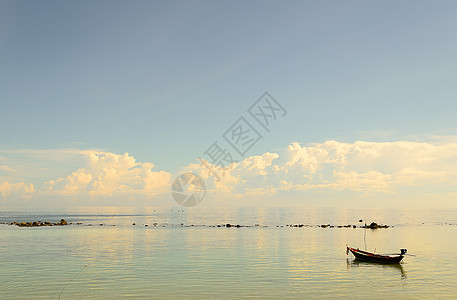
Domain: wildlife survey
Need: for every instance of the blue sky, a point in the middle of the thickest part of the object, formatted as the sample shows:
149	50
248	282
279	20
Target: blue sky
162	80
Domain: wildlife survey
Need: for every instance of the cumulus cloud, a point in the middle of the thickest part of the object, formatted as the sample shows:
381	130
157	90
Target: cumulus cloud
364	167
18	189
106	174
378	169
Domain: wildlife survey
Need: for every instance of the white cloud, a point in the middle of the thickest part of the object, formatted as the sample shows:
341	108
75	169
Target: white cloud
19	189
368	182
106	174
367	168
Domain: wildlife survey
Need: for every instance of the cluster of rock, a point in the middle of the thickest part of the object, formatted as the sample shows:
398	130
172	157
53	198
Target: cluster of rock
338	226
374	225
62	222
371	226
230	225
219	225
39	223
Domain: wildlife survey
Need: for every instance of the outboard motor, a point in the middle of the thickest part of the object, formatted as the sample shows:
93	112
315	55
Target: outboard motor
403	251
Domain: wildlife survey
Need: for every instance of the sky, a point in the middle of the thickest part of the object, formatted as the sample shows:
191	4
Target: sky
104	103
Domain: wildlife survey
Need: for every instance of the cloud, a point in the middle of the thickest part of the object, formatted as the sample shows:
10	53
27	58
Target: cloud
374	166
367	168
20	189
368	182
328	170
107	174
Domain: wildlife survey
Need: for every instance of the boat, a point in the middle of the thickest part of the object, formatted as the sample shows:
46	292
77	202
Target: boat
378	258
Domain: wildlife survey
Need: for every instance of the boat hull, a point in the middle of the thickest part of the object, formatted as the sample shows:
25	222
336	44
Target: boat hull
372	257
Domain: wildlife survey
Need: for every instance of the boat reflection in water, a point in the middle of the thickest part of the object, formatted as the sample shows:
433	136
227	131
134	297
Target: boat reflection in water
357	263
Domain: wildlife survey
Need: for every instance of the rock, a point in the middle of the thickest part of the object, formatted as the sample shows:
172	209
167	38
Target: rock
28	224
39	223
373	225
133	224
353	226
228	225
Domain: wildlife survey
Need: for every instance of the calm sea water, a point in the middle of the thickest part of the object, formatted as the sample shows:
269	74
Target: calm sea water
170	261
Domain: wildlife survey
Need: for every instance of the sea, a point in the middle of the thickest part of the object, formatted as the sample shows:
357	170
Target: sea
181	253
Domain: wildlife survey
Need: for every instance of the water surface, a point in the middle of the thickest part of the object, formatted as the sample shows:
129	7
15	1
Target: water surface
168	261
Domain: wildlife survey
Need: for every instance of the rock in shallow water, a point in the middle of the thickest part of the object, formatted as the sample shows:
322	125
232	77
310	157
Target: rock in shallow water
39	223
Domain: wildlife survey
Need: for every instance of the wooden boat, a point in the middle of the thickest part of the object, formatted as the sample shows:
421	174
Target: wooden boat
378	258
